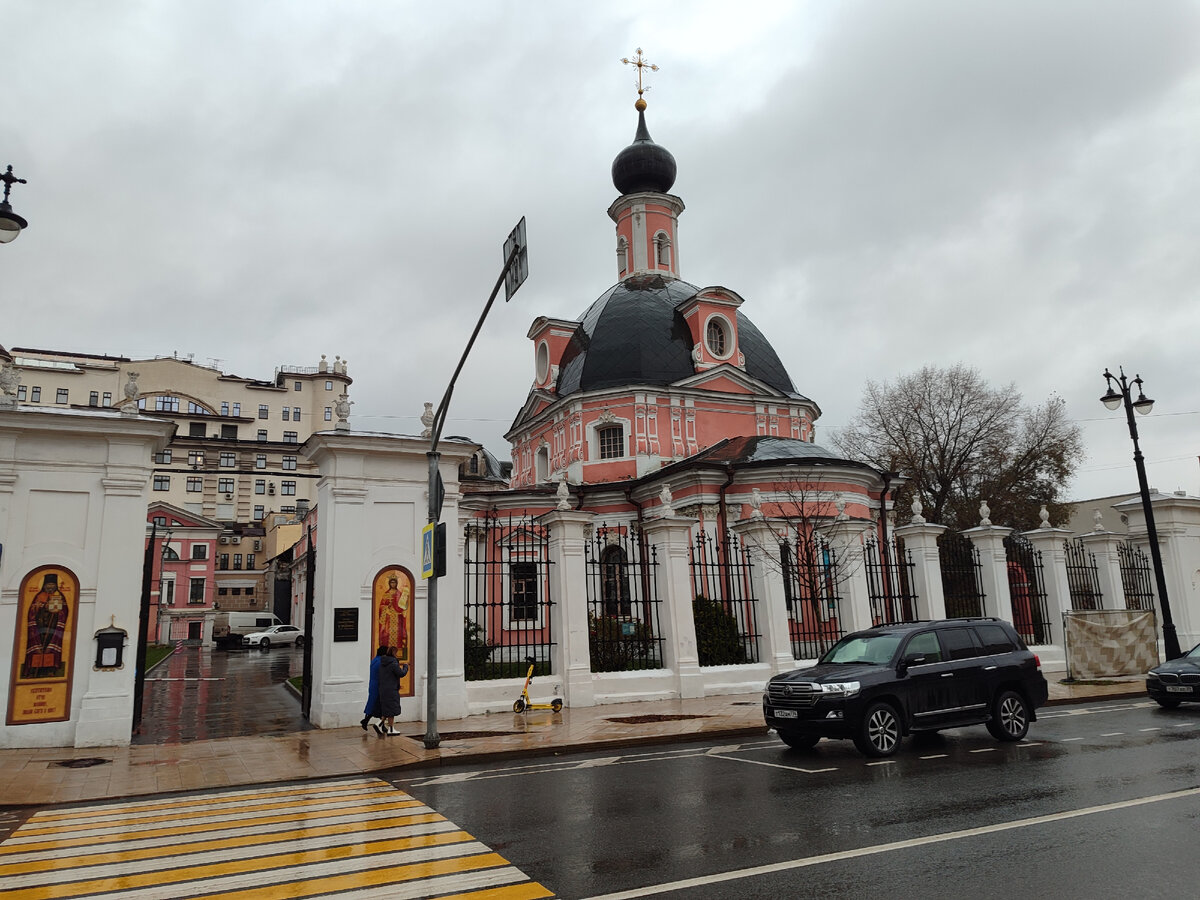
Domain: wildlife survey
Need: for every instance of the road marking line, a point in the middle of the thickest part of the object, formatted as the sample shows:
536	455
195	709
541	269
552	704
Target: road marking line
727	748
771	765
753	871
1156	728
936	756
883	762
596	763
1068	740
1112	734
1030	744
984	750
1183	725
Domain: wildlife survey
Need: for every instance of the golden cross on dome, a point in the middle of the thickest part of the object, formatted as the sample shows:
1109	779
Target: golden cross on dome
640	63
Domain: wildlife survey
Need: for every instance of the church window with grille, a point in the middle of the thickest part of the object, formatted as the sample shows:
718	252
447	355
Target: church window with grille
523	591
611	439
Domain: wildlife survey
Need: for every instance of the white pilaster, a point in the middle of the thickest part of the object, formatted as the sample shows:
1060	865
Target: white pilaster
569	625
672	537
920	540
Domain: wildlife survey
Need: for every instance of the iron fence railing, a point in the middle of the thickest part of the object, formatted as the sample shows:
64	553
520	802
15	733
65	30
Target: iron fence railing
723	602
962	575
1027	588
624	627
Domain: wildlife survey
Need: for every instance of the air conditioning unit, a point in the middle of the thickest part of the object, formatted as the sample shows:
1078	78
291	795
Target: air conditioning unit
229	496
224	540
258	545
236	540
271	488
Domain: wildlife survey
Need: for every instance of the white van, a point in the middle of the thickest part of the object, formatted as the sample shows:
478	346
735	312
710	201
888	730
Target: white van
229	627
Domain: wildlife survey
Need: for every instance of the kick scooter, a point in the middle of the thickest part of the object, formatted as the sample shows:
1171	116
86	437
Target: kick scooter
523	703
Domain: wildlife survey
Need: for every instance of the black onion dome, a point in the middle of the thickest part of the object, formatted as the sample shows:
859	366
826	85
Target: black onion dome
633	335
643	165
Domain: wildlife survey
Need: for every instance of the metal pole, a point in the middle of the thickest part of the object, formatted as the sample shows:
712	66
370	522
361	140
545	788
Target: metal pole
1170	638
432	739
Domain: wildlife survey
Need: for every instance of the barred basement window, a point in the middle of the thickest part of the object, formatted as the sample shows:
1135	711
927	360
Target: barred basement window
612	441
522	602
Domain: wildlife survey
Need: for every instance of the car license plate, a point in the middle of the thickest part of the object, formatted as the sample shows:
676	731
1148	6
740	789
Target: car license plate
786	714
1176	689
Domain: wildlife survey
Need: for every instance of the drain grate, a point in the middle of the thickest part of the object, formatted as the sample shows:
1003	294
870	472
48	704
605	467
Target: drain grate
85	762
644	720
466	735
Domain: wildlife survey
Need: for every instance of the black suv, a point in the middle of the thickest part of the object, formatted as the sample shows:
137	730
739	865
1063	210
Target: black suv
876	686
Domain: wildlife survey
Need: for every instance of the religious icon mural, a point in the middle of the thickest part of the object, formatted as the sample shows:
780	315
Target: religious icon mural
392	618
44	645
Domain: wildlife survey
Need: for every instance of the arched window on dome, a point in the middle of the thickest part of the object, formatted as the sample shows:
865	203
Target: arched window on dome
622	256
716	338
543	464
662	250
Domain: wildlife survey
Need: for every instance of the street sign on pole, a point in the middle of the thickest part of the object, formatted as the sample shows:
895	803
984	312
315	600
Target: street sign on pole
519	270
427	550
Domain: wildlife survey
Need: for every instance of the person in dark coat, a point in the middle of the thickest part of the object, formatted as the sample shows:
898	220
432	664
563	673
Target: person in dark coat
372	708
390	672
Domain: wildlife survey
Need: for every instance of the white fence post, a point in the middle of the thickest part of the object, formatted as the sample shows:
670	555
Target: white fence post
569	624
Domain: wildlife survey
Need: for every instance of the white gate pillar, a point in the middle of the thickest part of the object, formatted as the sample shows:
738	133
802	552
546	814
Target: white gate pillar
1103	544
759	537
852	561
993	561
671	535
568	590
1049	543
920	540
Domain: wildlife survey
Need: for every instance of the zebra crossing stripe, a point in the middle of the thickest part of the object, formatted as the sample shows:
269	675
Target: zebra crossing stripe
365	839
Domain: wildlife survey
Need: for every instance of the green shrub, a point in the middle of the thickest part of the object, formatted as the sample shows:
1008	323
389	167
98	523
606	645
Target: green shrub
620	645
718	641
476	651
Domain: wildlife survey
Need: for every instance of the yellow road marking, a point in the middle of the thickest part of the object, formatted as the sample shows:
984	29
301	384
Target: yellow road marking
234	867
530	890
9	848
352	800
313	886
74	815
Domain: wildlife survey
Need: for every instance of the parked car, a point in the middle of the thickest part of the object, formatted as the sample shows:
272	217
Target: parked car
230	627
276	634
1176	680
878	685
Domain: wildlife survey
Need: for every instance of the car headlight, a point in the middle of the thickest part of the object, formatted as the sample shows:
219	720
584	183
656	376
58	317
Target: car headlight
841	688
1152	676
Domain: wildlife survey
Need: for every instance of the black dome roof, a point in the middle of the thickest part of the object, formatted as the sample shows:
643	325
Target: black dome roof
632	335
643	165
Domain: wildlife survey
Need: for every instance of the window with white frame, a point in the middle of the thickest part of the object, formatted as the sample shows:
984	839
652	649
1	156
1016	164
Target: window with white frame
35	394
260	485
225	486
93	398
523	592
237	409
610	441
224	407
260	461
289	463
287	414
195	484
166	403
290	437
196	409
195	458
262	435
163	457
259	512
63	396
717	336
106	399
329	385
196	590
168	590
662	249
162	482
287	488
199	551
228	459
329	414
295	414
264	411
22	392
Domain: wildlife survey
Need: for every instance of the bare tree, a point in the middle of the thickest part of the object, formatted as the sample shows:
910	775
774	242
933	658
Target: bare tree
960	440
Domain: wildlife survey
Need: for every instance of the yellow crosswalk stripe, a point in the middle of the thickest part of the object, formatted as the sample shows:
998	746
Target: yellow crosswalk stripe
363	837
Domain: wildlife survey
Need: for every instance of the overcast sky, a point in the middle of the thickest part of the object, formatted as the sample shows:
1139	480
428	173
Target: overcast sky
1013	185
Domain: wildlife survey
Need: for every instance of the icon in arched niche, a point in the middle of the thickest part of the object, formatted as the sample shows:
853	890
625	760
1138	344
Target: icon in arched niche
44	646
392	618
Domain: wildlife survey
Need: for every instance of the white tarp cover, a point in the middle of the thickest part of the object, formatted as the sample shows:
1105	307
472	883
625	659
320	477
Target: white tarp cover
1108	642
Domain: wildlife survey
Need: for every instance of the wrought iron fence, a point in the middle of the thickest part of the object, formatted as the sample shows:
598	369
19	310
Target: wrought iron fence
812	582
624	629
1027	587
723	602
506	595
1137	580
889	569
962	581
1083	576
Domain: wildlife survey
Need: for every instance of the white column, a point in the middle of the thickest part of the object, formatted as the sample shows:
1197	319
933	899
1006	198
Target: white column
775	644
1049	543
993	562
920	540
856	594
671	535
569	623
1103	544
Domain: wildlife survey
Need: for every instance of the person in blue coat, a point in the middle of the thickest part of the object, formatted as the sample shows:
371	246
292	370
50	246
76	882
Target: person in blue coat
372	710
391	671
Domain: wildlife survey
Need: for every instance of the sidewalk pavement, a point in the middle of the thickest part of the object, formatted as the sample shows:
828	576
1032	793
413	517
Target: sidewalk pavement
39	776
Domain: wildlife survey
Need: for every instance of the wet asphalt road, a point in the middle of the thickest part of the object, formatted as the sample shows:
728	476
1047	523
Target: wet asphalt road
1101	800
200	694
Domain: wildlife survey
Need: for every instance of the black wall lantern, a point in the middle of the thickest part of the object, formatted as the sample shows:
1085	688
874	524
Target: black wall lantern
110	648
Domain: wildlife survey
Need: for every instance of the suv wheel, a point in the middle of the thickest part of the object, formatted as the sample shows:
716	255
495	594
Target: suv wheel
1010	717
798	741
879	731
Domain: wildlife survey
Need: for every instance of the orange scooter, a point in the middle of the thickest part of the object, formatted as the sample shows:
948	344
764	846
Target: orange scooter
523	703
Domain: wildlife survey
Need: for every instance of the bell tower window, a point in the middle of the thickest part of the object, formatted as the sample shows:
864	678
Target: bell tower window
622	256
662	250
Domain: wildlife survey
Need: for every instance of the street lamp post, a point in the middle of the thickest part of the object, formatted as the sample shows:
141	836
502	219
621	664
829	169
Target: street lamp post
1143	404
10	223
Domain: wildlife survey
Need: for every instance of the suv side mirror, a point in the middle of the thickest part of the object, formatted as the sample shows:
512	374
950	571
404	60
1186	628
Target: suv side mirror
910	659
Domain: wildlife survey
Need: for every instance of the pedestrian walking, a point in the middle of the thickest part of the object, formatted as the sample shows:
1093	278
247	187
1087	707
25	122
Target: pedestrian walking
371	711
391	670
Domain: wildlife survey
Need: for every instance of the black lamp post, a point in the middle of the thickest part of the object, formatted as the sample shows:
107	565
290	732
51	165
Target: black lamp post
1143	404
10	223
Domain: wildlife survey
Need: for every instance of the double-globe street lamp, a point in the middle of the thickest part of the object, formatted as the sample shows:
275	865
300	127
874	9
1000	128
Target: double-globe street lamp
1143	404
10	223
